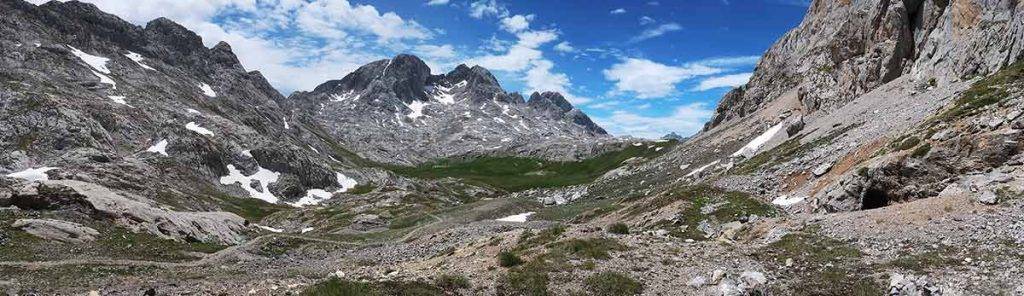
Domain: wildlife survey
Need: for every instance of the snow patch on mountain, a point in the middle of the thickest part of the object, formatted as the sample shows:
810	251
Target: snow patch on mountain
207	90
519	218
417	109
192	126
159	147
317	196
119	99
97	63
137	58
34	174
262	176
751	148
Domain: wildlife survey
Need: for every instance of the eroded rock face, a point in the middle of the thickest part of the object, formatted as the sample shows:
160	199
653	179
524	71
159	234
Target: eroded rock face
843	49
62	231
102	203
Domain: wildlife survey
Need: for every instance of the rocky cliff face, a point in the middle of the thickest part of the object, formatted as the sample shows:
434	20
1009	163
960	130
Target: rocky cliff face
844	49
395	111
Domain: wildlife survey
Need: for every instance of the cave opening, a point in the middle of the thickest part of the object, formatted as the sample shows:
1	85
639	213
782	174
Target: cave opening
874	198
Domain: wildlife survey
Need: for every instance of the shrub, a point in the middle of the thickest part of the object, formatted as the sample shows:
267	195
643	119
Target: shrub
908	143
508	259
523	282
452	283
921	151
618	228
610	283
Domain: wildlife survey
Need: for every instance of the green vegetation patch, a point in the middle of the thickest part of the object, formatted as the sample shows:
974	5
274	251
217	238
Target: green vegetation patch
988	91
340	287
821	266
578	211
530	240
611	283
706	203
592	248
508	259
523	281
618	228
518	173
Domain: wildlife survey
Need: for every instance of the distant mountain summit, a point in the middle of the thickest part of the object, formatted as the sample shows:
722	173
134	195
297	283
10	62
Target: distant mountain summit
395	111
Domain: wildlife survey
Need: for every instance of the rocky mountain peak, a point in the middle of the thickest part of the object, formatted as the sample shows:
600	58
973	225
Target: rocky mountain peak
174	35
549	101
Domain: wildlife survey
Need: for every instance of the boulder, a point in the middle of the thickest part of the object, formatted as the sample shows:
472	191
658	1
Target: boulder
57	230
822	169
795	127
988	197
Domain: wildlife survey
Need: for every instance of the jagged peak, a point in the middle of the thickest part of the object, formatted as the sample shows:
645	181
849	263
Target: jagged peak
475	75
549	100
178	35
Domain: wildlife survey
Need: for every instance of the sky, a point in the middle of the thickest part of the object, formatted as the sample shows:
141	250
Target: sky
637	67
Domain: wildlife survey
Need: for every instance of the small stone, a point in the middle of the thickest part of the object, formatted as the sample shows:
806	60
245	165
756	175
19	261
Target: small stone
822	169
988	197
789	262
717	275
697	282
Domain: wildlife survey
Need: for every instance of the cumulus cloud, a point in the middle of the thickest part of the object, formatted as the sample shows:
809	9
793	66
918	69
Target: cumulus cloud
618	11
516	23
482	8
656	31
437	2
684	120
564	47
731	81
334	19
648	79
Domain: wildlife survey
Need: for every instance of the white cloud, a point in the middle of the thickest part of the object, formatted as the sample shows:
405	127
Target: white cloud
731	81
684	120
646	20
482	8
539	78
334	19
618	11
656	31
516	23
437	2
534	39
564	47
435	51
648	79
321	40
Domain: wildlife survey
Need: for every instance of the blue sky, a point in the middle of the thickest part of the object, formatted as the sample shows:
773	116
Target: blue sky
640	68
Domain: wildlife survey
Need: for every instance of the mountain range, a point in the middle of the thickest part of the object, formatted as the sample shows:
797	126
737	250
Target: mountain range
875	150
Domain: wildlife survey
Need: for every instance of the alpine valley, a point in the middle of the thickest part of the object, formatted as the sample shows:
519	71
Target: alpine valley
876	150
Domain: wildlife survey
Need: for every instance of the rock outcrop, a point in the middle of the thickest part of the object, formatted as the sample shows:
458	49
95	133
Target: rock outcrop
57	230
844	49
